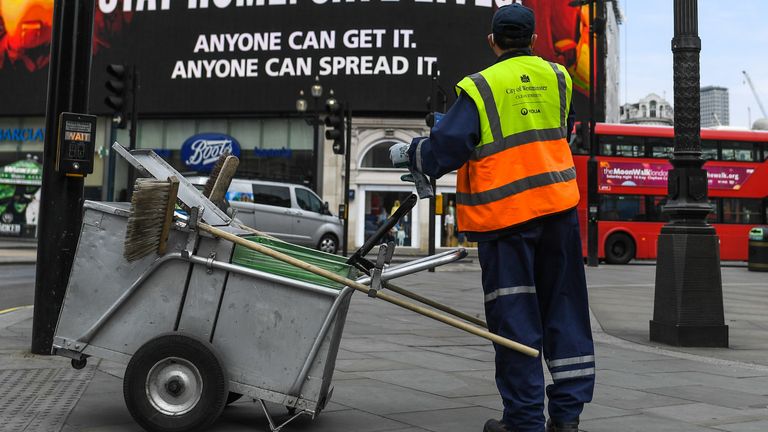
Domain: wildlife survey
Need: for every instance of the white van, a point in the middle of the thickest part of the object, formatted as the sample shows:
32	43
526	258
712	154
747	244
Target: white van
287	211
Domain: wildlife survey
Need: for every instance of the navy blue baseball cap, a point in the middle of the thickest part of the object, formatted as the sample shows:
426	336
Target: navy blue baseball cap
514	21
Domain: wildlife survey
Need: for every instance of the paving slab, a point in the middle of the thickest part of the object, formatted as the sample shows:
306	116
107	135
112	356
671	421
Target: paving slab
383	398
457	420
435	382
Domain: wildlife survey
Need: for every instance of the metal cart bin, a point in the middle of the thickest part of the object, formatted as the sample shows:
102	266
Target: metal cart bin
207	319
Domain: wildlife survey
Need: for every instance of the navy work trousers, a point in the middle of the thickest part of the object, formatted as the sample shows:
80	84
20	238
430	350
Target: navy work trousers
536	294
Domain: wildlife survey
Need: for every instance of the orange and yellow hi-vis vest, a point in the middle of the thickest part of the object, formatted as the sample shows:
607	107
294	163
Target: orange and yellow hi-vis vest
522	168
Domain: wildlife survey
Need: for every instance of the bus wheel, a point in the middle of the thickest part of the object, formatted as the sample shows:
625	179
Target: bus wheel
619	248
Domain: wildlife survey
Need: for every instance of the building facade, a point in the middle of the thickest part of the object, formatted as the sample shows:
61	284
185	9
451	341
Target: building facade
650	110
229	77
715	107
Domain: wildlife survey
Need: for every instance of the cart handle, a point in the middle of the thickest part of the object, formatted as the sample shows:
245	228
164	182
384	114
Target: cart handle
372	241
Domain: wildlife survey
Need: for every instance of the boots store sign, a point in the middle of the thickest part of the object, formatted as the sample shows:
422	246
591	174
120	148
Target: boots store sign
200	152
253	56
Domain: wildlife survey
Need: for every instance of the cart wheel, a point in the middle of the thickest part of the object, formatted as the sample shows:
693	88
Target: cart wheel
233	397
79	363
175	383
291	410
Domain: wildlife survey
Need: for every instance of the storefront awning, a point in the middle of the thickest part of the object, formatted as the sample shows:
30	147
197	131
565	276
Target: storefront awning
23	172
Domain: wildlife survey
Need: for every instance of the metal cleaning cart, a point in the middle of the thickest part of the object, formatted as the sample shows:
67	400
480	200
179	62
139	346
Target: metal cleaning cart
207	321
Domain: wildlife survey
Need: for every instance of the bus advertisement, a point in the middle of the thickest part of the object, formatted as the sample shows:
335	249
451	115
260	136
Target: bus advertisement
632	168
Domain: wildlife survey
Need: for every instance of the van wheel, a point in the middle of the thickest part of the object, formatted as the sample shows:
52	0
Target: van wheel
328	243
619	248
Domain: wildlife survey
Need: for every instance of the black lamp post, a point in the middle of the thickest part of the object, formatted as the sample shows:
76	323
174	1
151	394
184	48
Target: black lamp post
316	91
688	304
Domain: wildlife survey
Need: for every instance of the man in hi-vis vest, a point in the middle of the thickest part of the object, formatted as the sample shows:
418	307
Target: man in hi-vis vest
507	134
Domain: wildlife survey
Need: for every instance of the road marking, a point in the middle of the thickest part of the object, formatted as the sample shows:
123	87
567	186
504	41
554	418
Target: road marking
5	311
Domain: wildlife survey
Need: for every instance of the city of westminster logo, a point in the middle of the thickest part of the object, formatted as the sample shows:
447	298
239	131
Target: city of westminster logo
525	78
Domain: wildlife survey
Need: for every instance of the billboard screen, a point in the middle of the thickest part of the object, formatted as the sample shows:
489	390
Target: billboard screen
219	57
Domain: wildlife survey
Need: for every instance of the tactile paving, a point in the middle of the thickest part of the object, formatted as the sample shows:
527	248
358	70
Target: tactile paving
37	400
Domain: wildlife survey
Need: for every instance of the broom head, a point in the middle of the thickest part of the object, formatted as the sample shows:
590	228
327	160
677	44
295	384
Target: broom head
149	224
214	175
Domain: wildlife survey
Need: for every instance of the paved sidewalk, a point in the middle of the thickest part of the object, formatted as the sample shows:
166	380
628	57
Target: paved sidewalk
401	372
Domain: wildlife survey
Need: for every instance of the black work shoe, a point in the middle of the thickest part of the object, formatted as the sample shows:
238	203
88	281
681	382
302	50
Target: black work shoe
571	426
495	426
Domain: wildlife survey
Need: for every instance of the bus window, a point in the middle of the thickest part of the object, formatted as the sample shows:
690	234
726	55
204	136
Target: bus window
714	215
622	208
628	146
660	147
738	151
654	204
742	211
709	149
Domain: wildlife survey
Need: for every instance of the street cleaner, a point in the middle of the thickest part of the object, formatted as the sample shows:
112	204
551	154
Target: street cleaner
516	197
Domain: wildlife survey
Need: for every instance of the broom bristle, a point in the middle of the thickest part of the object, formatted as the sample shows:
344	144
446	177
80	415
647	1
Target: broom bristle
147	219
215	171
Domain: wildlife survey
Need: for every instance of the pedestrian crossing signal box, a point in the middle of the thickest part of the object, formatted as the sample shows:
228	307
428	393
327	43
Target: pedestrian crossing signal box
75	144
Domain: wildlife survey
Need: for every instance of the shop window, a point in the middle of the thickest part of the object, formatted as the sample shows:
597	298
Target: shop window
279	196
628	146
742	211
379	205
738	151
378	156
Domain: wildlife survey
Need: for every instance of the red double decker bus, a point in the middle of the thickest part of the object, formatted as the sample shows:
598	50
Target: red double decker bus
633	162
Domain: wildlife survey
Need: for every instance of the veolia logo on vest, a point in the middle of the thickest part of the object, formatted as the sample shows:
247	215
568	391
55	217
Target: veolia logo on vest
200	152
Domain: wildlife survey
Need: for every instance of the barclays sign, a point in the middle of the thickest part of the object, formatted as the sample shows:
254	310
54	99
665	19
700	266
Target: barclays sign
200	152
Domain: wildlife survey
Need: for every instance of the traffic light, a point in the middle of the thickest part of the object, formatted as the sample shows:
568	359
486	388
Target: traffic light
117	87
335	120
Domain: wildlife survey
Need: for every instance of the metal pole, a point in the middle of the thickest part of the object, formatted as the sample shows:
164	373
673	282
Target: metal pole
688	302
432	181
315	148
593	200
134	127
347	160
61	200
111	163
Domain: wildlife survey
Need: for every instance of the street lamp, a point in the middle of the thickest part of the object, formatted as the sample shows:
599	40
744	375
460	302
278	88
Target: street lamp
316	91
688	302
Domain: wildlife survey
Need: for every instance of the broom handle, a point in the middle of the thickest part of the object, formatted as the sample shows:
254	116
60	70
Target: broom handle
360	287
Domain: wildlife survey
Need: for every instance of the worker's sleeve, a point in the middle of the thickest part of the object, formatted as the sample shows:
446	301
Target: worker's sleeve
450	143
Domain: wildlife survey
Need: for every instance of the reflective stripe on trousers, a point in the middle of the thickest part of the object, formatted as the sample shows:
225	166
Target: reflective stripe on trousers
535	293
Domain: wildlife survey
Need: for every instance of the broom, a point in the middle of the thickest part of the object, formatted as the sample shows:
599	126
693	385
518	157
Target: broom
144	229
152	206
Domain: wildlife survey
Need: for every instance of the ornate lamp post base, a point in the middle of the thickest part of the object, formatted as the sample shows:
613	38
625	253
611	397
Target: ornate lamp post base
688	305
